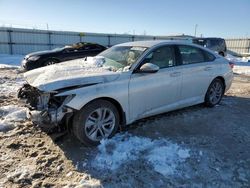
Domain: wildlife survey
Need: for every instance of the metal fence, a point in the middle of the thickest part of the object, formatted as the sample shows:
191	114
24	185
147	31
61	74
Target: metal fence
23	41
239	45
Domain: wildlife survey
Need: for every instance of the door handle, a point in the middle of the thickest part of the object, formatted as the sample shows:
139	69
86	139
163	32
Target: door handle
207	68
175	74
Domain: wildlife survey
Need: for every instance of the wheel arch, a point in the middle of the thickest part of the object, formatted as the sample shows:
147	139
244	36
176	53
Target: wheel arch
118	106
208	103
221	53
223	81
220	78
51	58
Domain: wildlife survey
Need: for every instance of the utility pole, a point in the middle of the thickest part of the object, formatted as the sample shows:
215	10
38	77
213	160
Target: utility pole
195	29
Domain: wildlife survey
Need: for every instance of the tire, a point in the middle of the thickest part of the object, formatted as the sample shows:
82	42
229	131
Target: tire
214	93
222	54
50	62
88	123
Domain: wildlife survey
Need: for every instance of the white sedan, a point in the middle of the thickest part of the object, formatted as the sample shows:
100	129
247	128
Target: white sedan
97	95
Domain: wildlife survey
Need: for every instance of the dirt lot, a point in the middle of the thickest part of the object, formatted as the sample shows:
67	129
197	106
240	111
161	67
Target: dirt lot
217	140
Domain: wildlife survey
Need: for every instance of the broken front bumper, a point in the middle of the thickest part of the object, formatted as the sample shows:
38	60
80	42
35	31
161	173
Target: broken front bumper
44	108
48	118
39	117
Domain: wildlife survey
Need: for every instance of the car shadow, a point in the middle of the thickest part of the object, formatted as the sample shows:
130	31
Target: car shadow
197	127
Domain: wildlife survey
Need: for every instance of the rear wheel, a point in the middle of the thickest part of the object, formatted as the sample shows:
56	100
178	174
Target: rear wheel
214	93
97	120
222	54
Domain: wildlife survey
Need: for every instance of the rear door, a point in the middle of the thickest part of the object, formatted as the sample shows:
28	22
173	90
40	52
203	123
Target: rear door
153	93
197	71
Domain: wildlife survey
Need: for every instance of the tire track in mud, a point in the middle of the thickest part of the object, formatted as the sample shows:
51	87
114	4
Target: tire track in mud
28	156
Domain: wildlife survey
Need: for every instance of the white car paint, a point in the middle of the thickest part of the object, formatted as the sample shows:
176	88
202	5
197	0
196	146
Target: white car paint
139	94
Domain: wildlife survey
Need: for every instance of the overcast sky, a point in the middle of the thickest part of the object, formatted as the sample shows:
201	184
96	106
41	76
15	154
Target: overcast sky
215	18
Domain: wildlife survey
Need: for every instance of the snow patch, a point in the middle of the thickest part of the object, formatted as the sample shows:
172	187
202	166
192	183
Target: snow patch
10	86
165	159
10	115
96	61
5	66
163	155
10	61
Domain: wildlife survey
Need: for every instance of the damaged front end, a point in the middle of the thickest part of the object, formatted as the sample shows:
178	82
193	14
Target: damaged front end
45	108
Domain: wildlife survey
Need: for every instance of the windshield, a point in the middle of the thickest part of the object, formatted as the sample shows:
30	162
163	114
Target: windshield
57	49
121	57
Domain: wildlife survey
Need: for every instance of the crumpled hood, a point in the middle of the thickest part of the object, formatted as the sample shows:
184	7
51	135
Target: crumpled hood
71	73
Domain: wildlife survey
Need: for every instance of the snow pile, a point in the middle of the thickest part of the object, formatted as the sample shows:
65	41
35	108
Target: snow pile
117	151
163	155
66	73
97	61
10	61
10	115
165	159
10	86
5	66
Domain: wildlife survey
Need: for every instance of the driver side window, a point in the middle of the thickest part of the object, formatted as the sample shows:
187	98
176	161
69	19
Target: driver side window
163	57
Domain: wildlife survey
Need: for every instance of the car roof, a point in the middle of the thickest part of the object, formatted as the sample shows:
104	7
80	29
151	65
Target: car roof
155	43
208	38
151	43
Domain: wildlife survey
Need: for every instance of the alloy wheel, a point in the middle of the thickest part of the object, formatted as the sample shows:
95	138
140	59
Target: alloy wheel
215	92
100	124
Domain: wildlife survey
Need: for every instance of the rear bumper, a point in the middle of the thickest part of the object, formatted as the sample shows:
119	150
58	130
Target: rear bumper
228	80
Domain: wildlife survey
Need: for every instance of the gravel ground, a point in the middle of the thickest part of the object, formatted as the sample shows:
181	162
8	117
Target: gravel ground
216	141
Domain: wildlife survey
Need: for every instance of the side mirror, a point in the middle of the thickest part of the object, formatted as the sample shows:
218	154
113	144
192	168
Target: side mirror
149	68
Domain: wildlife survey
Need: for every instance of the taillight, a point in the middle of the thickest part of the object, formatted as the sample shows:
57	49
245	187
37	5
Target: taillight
231	65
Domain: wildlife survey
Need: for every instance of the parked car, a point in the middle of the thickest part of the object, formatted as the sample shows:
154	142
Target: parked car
44	58
216	44
96	96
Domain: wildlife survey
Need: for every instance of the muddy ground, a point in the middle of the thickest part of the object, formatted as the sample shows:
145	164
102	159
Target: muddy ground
218	139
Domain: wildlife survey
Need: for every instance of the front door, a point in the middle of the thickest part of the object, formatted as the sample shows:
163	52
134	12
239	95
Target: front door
153	93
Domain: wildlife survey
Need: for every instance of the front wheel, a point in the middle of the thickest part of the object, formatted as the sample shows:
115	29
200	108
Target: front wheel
50	62
214	93
97	120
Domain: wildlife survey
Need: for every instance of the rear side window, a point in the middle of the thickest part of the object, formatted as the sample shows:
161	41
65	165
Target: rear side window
191	55
209	56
